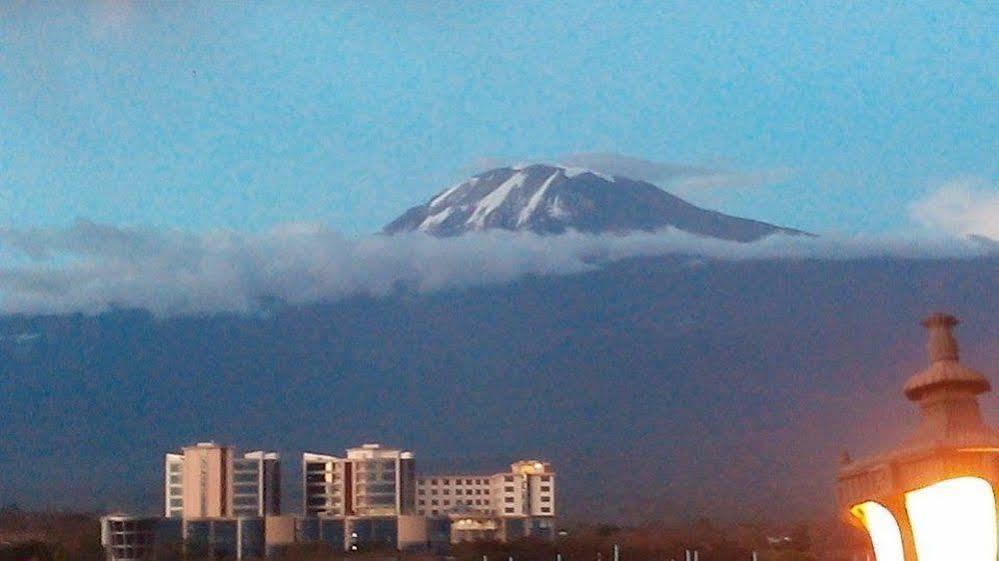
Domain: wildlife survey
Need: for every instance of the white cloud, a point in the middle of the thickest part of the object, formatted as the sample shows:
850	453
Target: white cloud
632	168
729	179
92	267
964	207
679	177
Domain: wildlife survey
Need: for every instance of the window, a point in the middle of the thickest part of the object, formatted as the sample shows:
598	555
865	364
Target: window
485	491
457	491
546	488
421	492
444	481
468	482
508	500
508	478
478	501
485	501
433	491
508	510
435	513
447	491
546	478
546	509
422	502
433	482
508	488
447	503
434	502
546	499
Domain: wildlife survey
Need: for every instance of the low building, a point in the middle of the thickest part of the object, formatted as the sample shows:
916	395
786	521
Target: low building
500	506
134	538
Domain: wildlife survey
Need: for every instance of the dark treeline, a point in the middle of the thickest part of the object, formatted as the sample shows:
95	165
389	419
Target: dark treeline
58	536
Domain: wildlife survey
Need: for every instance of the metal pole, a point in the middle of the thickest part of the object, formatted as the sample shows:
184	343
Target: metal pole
617	553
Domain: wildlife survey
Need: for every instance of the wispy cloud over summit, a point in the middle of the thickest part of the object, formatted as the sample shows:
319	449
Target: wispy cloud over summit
676	176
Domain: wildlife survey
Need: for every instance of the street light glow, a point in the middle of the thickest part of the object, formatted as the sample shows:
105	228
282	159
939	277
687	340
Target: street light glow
954	519
881	525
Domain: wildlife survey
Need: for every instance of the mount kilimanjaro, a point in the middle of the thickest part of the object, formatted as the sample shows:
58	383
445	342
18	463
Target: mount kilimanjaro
551	199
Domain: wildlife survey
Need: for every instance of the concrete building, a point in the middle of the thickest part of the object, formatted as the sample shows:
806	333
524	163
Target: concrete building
134	538
368	496
370	481
208	480
501	506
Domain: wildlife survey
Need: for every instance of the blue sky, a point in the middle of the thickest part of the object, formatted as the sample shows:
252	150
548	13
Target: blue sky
201	116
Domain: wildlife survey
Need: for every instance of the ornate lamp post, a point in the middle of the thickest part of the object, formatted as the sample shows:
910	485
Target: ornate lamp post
934	497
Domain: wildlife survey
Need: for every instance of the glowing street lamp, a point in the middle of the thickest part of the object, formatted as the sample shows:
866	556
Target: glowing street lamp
934	497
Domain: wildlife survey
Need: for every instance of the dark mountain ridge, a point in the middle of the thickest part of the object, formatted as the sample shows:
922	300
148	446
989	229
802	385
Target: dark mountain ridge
665	388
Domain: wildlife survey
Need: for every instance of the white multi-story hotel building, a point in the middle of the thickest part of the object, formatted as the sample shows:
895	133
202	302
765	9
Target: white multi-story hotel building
503	506
207	480
370	481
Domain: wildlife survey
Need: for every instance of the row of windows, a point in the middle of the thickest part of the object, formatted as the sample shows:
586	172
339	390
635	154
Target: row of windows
371	476
244	500
480	481
456	492
376	488
435	502
456	481
507	510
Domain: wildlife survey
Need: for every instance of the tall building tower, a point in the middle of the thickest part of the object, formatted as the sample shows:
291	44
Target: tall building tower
370	481
208	480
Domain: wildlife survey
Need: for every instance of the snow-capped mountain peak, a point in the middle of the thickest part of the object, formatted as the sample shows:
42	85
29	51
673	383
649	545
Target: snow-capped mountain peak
550	199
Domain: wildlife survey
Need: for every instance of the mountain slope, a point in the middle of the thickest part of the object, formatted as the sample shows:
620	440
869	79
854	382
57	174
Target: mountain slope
735	383
547	199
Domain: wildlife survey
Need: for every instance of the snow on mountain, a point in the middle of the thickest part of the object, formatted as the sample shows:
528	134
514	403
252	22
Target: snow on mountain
550	199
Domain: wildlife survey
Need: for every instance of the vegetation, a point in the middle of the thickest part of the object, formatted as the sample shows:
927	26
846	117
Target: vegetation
76	537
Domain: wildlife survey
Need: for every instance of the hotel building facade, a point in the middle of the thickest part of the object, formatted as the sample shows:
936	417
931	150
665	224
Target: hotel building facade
500	506
220	503
370	480
207	480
